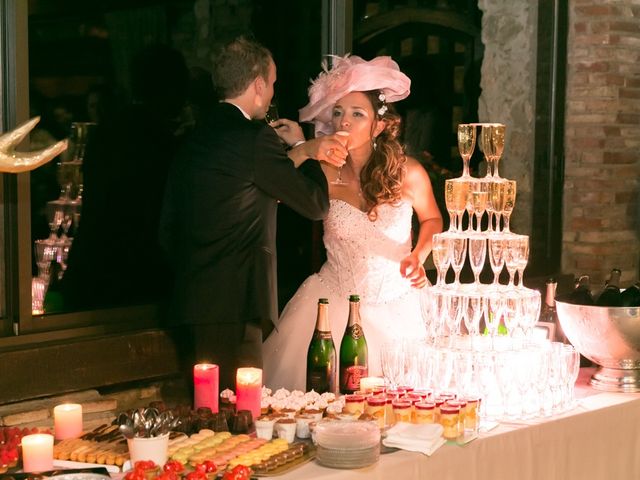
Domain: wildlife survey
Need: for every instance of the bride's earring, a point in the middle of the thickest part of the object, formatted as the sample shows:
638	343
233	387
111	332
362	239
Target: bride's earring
375	144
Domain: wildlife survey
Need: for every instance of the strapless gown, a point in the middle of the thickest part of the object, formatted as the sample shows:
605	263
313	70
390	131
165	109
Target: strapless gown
363	257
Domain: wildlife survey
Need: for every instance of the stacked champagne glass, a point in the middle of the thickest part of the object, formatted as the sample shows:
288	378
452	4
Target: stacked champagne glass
63	215
480	335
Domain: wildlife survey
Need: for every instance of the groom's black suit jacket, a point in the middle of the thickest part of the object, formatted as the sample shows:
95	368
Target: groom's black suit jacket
219	218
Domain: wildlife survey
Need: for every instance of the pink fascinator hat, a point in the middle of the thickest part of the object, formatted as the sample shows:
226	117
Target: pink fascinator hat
351	74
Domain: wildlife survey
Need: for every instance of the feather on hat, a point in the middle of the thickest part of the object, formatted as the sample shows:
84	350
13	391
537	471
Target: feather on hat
351	74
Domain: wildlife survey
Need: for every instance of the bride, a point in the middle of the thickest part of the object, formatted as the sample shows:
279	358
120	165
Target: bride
367	233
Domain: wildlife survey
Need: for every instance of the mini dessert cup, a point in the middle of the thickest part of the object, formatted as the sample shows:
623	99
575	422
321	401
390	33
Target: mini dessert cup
286	428
264	427
302	425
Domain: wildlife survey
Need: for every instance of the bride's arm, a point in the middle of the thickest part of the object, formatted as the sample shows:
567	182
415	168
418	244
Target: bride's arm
417	186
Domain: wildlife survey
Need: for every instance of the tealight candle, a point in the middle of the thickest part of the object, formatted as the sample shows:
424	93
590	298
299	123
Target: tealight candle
37	452
367	384
249	390
67	419
206	386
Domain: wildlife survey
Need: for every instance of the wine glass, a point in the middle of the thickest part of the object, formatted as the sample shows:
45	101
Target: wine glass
509	194
455	197
272	113
477	255
523	257
338	180
496	203
466	145
492	145
479	200
496	257
458	254
441	256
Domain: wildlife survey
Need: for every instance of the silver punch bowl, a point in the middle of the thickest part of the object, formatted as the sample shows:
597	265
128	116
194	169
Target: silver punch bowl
609	337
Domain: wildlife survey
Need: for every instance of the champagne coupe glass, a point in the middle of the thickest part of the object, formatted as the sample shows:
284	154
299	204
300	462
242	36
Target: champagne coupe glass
477	255
441	256
338	180
496	257
466	145
509	194
523	257
458	255
479	200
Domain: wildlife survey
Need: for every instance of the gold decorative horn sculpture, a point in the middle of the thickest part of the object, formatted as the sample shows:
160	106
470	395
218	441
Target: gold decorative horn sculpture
18	162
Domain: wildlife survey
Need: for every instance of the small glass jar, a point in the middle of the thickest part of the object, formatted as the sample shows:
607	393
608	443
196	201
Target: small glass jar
354	404
425	412
471	422
449	419
402	411
376	407
390	418
439	401
462	408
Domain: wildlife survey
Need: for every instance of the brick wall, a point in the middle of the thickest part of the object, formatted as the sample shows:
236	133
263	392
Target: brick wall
601	222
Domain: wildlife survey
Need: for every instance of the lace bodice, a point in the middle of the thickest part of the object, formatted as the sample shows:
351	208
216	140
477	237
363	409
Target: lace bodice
363	256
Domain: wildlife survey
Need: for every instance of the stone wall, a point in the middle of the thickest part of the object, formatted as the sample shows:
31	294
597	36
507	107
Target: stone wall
508	78
602	169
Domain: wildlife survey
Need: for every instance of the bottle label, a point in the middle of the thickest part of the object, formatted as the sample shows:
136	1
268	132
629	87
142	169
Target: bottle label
356	331
322	335
351	377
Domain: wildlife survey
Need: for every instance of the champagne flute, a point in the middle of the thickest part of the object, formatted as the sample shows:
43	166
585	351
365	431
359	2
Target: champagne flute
492	144
338	180
509	194
458	254
272	113
477	255
496	257
466	145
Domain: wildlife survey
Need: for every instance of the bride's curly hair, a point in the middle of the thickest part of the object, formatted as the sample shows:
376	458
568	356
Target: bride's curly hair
382	176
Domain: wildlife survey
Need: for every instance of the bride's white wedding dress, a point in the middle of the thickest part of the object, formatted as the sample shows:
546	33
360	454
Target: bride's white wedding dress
363	257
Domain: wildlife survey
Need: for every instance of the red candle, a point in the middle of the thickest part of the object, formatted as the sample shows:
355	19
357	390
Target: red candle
206	386
249	390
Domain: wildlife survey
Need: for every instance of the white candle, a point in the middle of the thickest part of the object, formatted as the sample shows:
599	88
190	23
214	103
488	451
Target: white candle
206	386
68	420
367	384
37	452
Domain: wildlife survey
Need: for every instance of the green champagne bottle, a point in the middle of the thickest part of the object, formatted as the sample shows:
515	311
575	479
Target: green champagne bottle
353	350
321	356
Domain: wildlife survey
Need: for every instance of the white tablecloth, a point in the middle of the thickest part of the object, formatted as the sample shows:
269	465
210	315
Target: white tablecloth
599	440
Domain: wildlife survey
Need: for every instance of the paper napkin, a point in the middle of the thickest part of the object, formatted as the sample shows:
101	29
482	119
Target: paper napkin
424	438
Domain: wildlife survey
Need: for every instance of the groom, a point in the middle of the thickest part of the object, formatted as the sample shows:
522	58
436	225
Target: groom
219	215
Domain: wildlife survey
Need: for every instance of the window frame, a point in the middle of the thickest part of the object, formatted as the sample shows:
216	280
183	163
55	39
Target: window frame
17	325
